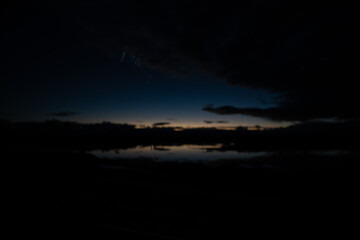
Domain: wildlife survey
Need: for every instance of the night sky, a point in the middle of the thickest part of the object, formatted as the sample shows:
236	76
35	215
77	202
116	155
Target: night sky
185	63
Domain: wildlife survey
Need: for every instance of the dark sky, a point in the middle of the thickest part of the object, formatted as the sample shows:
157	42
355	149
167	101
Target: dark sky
190	63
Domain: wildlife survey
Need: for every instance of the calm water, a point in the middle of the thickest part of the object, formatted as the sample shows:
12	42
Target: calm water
177	153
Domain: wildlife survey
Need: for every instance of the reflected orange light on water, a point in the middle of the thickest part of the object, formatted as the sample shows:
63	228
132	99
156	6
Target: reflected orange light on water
182	128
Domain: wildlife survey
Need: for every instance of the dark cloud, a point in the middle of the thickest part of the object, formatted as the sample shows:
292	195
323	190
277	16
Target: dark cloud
210	122
64	114
298	108
158	124
221	121
270	113
308	53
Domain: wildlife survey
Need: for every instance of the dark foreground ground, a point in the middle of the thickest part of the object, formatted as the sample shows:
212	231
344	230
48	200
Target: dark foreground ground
287	195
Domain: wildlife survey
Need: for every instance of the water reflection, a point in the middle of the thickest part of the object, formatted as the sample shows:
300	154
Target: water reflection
186	152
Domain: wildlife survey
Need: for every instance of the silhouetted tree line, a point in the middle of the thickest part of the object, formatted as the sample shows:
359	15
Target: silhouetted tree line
108	135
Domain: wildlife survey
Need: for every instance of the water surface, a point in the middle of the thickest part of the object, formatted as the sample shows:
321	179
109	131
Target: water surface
186	152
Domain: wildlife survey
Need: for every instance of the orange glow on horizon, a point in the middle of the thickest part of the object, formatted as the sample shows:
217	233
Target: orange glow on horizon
182	128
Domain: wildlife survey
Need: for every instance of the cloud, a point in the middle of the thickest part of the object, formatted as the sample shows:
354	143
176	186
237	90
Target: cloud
221	121
210	122
298	108
64	114
275	114
308	53
158	124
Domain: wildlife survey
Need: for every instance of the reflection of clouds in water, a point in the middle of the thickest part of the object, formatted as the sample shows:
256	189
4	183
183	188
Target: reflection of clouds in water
177	153
204	147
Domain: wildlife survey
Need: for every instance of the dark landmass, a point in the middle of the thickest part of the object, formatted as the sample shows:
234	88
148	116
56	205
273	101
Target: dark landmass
58	193
61	135
50	187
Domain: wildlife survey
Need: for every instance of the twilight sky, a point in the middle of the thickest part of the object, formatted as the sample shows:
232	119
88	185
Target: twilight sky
203	63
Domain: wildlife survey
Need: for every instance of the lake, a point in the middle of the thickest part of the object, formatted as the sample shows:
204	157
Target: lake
186	152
